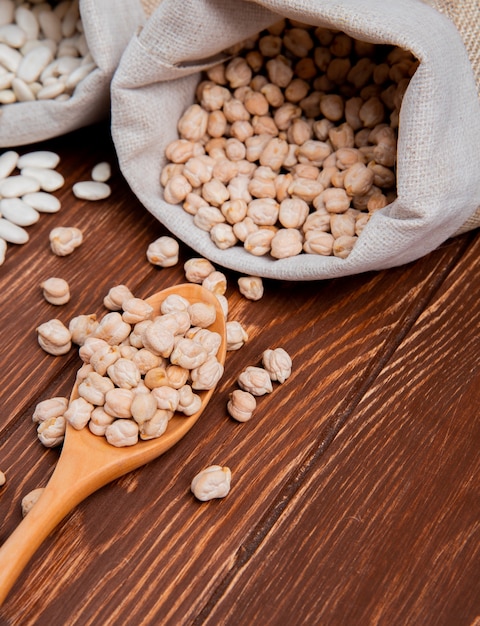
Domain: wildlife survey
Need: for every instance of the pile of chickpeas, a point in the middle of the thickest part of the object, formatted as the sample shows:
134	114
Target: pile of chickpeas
291	143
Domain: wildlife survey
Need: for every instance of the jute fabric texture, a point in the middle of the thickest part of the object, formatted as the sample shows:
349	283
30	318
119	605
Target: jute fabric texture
438	187
108	26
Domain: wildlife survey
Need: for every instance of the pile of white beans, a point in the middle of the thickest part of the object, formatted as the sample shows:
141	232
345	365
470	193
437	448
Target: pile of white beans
26	186
43	51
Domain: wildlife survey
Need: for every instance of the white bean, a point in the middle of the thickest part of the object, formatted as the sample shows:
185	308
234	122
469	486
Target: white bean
8	162
6	80
12	35
49	180
78	75
52	91
70	19
51	25
43	50
91	190
3	250
7	96
7	11
12	233
39	158
18	212
22	91
33	63
16	186
101	172
9	57
42	201
27	22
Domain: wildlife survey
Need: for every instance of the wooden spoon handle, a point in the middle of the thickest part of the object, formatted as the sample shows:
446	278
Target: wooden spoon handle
52	506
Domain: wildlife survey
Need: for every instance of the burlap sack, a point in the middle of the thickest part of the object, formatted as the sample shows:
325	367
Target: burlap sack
438	152
108	26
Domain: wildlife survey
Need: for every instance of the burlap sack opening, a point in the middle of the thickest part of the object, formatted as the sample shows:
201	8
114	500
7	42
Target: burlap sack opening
439	136
108	27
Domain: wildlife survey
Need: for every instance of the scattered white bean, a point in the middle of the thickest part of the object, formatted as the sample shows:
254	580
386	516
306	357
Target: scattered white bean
49	180
12	233
18	212
38	158
9	57
42	201
16	186
8	162
91	190
3	250
101	172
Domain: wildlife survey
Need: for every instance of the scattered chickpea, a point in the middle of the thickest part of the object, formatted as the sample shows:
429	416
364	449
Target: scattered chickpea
56	290
78	413
163	252
64	240
116	296
197	269
3	478
51	407
122	432
215	282
51	432
236	335
81	327
54	337
255	380
29	501
212	482
277	363
241	405
251	287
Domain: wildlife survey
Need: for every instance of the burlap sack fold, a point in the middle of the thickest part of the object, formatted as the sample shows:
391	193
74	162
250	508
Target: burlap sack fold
438	188
108	26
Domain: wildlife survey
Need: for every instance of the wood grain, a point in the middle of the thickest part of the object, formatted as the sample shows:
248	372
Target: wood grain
332	479
386	522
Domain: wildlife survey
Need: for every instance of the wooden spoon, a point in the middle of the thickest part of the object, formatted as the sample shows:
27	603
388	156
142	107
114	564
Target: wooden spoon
87	462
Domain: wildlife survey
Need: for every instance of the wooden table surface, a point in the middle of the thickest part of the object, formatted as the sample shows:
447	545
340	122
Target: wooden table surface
355	491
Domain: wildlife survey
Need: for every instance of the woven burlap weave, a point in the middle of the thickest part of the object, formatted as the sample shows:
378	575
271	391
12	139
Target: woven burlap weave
108	26
465	14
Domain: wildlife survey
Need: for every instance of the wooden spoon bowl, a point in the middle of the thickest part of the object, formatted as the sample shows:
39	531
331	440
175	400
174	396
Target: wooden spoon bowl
88	462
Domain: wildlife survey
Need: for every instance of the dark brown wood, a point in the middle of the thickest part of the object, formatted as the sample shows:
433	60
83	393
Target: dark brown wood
354	494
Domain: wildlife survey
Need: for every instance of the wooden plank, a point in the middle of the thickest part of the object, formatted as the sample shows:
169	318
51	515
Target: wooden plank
142	550
384	528
104	259
146	531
